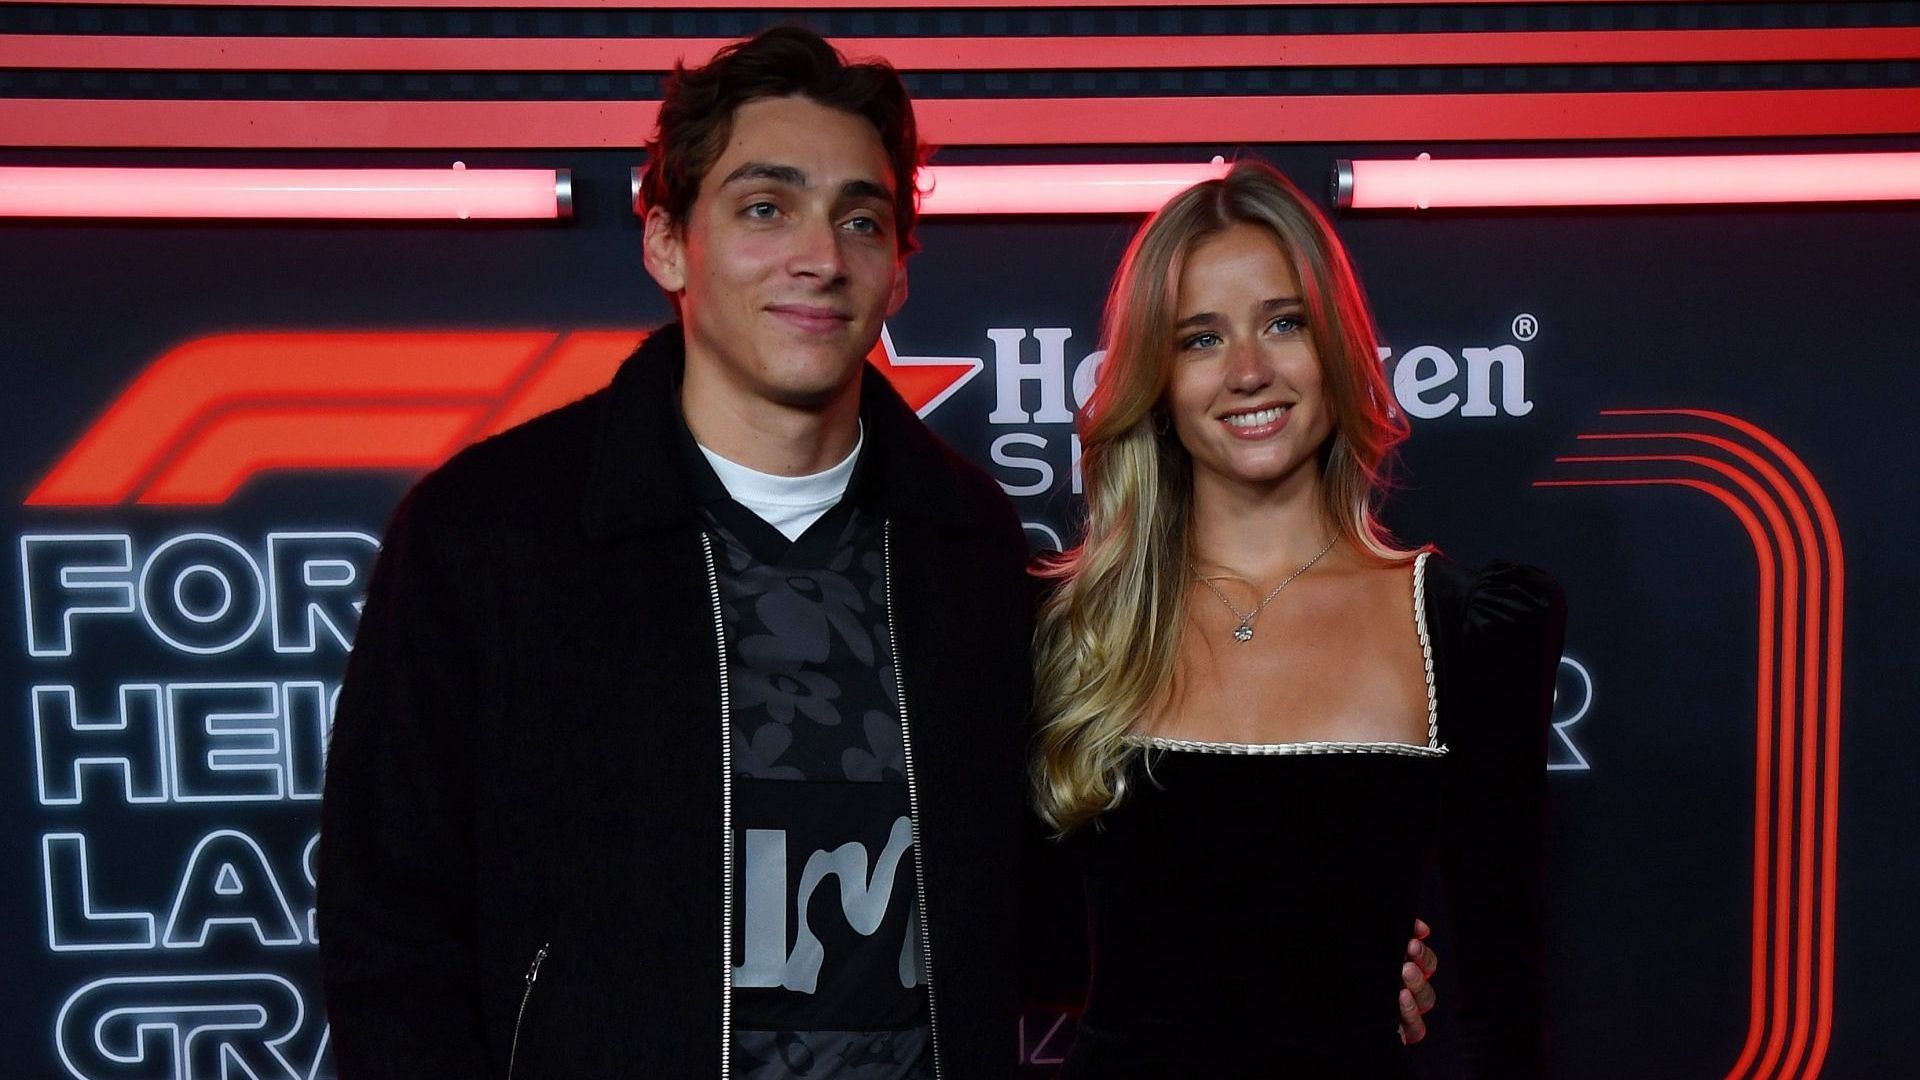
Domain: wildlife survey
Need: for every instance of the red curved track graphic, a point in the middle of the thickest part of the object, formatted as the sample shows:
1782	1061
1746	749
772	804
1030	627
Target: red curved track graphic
1802	577
207	416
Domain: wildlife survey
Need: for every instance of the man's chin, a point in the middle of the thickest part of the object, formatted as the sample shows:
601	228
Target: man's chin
814	391
813	365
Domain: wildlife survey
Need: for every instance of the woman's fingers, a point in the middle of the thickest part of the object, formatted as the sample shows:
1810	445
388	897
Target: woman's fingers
1417	986
1412	1027
1428	960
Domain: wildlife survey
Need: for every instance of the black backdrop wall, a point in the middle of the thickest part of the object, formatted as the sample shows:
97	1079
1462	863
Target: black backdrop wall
1731	777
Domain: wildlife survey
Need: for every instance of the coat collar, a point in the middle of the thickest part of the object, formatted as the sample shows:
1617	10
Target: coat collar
640	479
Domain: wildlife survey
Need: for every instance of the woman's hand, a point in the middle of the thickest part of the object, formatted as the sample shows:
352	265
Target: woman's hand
1416	994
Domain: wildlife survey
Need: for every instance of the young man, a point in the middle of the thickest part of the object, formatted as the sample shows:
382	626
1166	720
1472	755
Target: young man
684	728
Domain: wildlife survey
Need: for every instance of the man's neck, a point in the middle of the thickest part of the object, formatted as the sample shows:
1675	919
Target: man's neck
769	436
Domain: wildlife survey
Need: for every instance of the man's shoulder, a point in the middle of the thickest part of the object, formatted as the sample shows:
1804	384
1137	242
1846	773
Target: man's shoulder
924	478
980	498
979	488
531	472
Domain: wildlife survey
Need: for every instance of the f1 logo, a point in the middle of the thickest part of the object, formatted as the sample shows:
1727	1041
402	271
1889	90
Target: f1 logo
209	415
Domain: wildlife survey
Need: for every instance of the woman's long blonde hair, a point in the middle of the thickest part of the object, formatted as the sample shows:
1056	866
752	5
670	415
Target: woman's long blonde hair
1107	636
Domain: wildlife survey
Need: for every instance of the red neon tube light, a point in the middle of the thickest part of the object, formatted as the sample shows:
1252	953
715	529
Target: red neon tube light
1424	183
458	193
948	190
1057	189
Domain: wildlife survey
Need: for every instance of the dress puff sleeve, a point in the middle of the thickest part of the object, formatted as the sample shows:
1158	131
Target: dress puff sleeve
1504	660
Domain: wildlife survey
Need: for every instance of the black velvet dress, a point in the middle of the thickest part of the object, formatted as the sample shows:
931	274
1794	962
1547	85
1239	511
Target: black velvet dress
1248	905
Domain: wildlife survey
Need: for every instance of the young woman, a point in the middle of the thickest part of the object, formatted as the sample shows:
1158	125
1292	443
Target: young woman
1261	717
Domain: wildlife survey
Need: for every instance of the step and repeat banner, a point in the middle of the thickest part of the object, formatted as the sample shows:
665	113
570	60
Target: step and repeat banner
1699	421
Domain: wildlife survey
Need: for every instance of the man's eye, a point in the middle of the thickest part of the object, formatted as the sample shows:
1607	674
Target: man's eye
863	224
761	211
1204	340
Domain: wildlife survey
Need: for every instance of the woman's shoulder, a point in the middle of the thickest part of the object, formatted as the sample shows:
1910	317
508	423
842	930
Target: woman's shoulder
1498	599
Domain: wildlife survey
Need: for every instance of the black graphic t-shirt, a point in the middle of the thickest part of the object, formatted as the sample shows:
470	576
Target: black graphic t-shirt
827	963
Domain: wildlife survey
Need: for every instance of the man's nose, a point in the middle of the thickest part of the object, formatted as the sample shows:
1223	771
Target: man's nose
816	252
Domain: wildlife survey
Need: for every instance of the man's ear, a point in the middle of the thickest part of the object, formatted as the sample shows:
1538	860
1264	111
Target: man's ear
663	247
898	297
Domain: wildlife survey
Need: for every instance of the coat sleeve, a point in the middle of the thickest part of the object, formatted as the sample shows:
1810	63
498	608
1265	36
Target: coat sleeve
1055	961
396	893
1492	845
1055	957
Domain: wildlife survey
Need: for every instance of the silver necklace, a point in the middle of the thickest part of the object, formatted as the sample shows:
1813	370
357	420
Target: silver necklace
1243	633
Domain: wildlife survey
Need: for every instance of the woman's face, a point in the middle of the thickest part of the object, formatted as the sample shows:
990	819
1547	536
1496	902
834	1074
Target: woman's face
1246	395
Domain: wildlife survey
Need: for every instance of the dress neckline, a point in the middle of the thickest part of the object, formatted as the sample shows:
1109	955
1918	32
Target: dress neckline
1433	748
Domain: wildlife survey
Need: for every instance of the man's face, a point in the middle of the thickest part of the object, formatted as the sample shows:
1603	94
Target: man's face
788	261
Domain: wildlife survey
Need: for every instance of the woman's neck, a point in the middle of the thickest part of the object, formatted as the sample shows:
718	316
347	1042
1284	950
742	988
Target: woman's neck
1258	532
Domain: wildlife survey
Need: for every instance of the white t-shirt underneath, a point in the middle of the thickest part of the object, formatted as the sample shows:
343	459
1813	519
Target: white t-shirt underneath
788	503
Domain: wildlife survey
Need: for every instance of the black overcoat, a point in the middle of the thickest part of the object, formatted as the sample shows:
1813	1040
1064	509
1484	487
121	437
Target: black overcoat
526	752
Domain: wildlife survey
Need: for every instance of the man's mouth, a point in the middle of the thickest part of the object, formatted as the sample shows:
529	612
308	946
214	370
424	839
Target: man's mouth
817	320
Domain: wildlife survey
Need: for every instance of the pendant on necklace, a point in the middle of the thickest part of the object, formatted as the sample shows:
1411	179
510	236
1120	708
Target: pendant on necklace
1243	633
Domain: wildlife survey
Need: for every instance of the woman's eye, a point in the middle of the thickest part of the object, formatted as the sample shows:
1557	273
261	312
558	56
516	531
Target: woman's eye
1206	340
1287	324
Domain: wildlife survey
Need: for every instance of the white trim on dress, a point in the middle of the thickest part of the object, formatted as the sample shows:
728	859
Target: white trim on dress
1434	747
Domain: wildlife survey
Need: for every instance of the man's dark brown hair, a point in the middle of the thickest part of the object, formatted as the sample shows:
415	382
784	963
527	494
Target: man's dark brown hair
697	116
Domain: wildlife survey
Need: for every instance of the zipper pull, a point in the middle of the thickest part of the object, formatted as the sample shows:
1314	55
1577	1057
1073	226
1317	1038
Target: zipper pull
538	958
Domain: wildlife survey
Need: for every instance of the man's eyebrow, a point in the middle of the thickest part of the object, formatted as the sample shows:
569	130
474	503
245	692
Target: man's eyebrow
865	189
761	170
790	176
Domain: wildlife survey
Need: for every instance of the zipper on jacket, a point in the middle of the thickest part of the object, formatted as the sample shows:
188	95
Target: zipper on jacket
726	813
533	973
913	799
